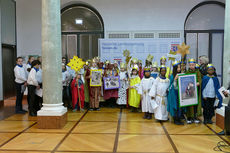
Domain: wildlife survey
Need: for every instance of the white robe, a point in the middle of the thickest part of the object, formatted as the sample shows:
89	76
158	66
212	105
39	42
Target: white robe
122	96
159	104
144	89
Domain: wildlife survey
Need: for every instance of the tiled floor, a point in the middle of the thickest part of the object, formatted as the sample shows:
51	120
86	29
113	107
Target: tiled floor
109	130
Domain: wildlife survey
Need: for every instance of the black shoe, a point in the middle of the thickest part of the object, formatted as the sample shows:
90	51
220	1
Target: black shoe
20	112
149	117
32	114
24	110
221	133
97	109
209	122
145	116
205	121
91	109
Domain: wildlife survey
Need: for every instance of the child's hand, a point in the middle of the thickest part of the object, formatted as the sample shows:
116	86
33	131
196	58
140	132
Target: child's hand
176	77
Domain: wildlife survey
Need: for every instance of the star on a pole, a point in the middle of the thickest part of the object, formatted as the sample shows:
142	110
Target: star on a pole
76	63
183	49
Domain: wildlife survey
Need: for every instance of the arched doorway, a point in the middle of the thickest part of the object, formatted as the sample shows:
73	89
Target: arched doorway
204	32
82	26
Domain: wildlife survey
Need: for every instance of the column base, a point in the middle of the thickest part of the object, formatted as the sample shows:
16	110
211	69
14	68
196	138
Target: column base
220	113
52	116
1	103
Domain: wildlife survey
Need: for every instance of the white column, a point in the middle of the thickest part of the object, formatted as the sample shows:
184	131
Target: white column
51	59
226	43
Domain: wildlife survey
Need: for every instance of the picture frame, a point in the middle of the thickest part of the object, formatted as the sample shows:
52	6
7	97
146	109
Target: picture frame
187	90
112	82
96	78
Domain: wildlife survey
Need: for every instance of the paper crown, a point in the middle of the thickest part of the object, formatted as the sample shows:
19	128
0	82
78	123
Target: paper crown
154	64
191	60
175	63
149	58
163	58
123	66
88	62
94	60
140	61
163	66
135	67
146	69
210	65
135	60
197	66
107	62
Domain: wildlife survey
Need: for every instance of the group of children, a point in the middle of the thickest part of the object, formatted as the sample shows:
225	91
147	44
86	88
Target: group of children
151	89
28	76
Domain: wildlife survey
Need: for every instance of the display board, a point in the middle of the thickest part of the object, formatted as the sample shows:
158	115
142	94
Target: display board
112	49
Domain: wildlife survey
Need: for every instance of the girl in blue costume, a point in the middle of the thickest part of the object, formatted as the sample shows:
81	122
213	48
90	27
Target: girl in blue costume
209	88
173	103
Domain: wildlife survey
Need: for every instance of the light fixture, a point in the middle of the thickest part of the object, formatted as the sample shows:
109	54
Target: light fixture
78	21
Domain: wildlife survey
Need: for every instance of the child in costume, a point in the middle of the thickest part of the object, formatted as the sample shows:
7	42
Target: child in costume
140	72
210	86
122	96
144	88
158	94
78	96
163	62
86	83
134	97
193	112
94	90
173	101
154	70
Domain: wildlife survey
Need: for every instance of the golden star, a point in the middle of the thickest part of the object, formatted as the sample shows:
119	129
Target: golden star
126	53
183	49
76	63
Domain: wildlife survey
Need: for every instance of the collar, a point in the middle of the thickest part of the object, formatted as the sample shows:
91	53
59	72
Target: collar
36	69
29	63
162	77
19	65
211	76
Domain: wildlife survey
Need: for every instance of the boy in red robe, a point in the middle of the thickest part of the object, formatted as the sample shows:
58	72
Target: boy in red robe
78	96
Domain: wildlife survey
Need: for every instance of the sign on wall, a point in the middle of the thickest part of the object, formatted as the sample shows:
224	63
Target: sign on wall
112	49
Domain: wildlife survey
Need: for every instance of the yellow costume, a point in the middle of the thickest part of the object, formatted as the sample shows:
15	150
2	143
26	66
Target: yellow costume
134	97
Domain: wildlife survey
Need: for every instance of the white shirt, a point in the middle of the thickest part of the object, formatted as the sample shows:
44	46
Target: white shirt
39	76
32	78
65	78
20	74
209	90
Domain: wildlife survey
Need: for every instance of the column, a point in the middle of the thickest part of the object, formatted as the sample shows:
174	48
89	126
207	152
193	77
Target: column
226	44
53	114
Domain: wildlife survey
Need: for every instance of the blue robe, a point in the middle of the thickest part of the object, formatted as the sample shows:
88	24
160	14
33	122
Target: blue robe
216	86
172	106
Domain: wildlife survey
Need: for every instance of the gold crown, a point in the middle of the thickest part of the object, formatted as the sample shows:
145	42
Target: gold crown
163	66
154	64
107	62
163	58
135	67
210	65
123	66
147	69
175	63
149	58
135	60
88	62
197	65
191	60
94	60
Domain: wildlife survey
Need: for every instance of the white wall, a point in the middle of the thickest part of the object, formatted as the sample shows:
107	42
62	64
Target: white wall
118	15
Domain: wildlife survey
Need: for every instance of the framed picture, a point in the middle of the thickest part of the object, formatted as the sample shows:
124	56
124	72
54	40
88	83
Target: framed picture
187	90
96	76
111	82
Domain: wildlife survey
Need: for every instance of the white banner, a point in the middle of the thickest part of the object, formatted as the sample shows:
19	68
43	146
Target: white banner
112	49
